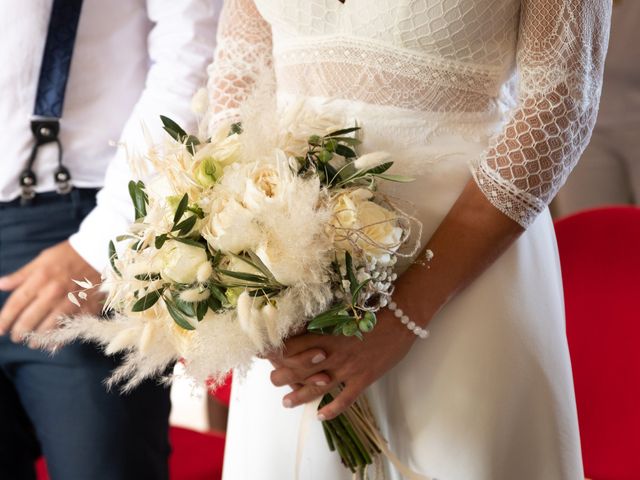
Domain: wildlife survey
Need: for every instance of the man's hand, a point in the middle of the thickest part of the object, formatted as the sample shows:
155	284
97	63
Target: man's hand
40	291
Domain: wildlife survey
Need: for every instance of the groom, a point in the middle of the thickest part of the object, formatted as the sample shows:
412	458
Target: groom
105	68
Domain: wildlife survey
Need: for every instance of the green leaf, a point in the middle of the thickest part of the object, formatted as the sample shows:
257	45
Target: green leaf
113	257
182	207
354	295
347	140
139	198
264	292
122	238
186	226
173	129
187	308
247	277
328	321
146	302
217	294
196	209
383	167
396	178
160	239
148	277
214	303
236	128
353	282
188	241
201	310
181	320
191	142
345	152
344	131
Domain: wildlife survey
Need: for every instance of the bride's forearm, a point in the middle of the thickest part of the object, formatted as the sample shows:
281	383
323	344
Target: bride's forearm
469	239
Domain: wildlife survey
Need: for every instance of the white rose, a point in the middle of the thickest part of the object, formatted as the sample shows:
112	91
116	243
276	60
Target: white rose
380	229
373	228
263	187
182	263
230	226
224	151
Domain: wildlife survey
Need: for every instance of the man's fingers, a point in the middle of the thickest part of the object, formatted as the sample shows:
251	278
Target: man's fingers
343	401
15	279
15	305
31	317
50	323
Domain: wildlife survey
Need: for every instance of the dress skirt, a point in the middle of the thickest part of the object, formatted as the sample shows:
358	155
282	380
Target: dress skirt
489	395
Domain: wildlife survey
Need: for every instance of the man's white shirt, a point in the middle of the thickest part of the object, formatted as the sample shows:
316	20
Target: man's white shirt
133	61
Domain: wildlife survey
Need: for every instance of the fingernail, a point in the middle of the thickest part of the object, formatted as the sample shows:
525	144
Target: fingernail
287	403
321	417
320	357
321	383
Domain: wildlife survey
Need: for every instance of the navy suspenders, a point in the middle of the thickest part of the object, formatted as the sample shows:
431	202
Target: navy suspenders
52	83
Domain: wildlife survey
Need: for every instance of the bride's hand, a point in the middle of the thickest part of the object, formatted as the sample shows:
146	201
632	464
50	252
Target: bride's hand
316	364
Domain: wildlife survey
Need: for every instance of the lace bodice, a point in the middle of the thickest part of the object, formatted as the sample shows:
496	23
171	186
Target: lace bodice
534	66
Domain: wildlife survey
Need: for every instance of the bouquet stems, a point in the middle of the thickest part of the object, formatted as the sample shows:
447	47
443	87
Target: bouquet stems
346	435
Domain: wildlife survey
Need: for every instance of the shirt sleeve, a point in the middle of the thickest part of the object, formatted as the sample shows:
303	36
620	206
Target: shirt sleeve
560	59
181	45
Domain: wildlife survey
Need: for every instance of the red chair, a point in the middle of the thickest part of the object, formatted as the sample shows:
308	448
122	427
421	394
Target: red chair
600	257
194	456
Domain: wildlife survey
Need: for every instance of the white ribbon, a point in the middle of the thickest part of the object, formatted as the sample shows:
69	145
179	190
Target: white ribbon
308	415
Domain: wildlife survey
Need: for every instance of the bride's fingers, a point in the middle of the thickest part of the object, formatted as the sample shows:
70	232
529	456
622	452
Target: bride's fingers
306	394
287	376
309	359
343	401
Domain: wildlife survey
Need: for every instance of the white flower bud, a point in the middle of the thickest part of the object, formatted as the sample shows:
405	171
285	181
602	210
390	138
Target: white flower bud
371	160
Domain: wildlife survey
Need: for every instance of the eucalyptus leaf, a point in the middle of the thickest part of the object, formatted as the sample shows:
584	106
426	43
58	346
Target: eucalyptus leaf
187	308
181	320
344	131
217	294
201	310
113	257
328	321
182	207
353	282
146	302
148	277
160	240
354	295
139	198
214	303
396	178
345	151
236	128
383	167
186	226
247	277
188	241
173	129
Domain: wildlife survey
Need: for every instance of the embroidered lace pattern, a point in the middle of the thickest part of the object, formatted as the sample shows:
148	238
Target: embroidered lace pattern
456	58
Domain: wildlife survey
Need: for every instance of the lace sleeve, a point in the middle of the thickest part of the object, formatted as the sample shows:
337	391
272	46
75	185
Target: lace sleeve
561	50
244	50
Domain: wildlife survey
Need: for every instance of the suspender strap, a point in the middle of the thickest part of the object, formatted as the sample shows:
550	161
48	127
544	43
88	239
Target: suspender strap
52	83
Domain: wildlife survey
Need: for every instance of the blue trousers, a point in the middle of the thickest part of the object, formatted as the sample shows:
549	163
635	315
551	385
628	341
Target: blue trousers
57	405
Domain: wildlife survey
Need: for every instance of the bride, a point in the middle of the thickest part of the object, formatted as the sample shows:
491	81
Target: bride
496	99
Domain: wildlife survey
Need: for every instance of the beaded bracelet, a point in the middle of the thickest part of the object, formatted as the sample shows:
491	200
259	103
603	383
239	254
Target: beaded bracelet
416	329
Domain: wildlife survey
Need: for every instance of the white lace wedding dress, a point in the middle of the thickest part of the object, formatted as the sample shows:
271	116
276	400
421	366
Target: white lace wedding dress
504	91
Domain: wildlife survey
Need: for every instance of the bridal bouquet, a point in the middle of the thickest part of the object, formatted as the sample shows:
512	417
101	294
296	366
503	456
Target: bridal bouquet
238	245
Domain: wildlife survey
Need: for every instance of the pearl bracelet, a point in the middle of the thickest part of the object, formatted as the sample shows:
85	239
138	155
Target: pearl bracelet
416	329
